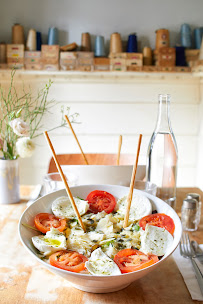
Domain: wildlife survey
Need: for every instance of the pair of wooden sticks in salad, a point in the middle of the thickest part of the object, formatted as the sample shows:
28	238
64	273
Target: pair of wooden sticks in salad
129	198
81	150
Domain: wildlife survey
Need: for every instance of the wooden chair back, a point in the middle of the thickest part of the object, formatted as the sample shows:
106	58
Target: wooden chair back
93	159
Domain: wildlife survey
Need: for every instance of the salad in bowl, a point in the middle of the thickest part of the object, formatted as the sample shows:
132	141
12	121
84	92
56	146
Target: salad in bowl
89	260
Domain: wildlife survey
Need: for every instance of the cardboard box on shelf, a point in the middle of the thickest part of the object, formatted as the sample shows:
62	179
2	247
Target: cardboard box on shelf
101	64
118	55
35	66
134	68
68	55
85	55
50	67
15	50
50	51
166	57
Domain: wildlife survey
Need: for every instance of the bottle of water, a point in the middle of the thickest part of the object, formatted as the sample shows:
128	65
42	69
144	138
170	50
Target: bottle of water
162	155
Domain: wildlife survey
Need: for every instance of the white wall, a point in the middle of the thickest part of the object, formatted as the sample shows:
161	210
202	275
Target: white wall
72	17
111	104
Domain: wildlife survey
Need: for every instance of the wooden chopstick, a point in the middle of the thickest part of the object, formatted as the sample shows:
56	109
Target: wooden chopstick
130	194
119	150
65	181
83	154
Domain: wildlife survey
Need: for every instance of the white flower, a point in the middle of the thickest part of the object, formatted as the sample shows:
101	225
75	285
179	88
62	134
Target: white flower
20	127
25	147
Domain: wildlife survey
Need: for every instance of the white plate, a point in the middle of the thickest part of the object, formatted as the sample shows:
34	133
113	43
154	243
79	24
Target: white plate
90	283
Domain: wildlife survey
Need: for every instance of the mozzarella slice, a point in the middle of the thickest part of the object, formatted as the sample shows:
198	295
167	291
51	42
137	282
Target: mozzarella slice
53	241
62	207
140	207
155	240
100	264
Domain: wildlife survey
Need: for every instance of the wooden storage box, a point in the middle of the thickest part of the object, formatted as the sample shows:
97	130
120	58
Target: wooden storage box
32	57
15	50
68	64
118	64
118	55
85	55
50	67
150	68
133	68
34	66
50	51
68	55
166	57
101	64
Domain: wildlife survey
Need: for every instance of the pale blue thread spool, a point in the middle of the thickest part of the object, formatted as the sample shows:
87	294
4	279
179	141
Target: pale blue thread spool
186	36
53	36
198	37
99	46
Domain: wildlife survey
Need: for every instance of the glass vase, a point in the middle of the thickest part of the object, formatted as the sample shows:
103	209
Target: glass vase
9	181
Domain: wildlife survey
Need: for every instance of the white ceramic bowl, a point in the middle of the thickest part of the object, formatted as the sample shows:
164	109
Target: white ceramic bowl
92	283
105	174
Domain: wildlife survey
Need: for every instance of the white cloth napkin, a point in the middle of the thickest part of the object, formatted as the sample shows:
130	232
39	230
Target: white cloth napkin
186	269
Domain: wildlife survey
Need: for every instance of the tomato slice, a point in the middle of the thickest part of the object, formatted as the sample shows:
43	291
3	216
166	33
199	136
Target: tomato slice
101	201
68	260
160	220
45	221
129	260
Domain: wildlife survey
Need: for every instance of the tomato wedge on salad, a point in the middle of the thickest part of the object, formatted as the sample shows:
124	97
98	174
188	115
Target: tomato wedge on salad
160	220
129	260
101	201
68	260
45	221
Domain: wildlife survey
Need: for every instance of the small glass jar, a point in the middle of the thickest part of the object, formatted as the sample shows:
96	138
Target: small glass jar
198	198
189	214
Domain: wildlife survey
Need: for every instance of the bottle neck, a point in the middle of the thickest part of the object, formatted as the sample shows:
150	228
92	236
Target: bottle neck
163	123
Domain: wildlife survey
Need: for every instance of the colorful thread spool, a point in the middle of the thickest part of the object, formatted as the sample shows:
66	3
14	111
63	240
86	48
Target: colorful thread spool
39	41
132	43
147	56
162	38
53	36
198	37
115	43
85	42
186	36
18	34
180	56
31	44
2	53
99	46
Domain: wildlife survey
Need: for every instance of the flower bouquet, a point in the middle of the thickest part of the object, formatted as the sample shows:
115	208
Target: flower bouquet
20	123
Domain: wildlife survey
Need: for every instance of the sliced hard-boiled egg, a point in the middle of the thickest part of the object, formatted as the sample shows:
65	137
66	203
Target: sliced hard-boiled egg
53	241
140	207
100	264
62	207
155	240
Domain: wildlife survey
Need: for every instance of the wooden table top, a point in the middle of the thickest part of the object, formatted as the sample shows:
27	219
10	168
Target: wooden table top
24	280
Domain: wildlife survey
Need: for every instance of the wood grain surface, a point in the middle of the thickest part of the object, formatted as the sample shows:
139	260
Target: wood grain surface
24	280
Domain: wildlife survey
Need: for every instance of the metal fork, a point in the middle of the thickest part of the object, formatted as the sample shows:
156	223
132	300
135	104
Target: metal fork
186	252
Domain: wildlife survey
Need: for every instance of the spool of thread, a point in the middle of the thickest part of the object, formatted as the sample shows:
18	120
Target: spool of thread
39	41
31	44
132	43
18	34
186	36
115	43
201	51
99	46
180	56
52	36
162	38
198	37
2	53
85	42
147	56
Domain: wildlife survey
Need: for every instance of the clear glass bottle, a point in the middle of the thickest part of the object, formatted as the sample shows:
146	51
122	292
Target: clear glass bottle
162	155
